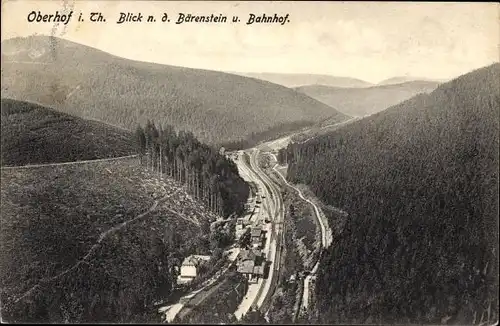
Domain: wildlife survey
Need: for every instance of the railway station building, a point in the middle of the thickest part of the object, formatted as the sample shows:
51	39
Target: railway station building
251	264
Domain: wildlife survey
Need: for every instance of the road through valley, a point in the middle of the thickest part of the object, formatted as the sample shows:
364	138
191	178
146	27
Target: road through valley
271	209
270	213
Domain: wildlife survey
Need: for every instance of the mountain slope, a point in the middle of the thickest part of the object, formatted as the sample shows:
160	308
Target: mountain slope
369	100
420	184
296	80
34	134
217	107
100	240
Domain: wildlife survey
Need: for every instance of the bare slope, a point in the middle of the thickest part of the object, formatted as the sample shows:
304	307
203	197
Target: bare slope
369	100
93	242
34	134
217	107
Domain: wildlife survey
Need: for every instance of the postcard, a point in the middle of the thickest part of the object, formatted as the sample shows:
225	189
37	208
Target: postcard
249	162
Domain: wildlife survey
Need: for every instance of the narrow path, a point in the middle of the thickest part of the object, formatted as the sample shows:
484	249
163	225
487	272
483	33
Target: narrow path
68	163
326	240
330	125
195	221
72	92
284	141
94	248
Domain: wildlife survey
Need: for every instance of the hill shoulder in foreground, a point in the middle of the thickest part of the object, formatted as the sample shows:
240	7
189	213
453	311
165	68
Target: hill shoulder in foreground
34	134
420	184
100	240
217	107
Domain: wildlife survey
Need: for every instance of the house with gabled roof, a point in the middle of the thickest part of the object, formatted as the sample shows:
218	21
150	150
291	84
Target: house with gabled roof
189	268
251	264
241	227
257	236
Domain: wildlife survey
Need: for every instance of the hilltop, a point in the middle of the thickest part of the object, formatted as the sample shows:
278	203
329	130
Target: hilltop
419	182
217	107
368	100
296	80
34	134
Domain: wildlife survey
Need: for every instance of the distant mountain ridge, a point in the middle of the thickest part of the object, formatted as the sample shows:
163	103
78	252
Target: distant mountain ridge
368	100
296	80
217	107
406	79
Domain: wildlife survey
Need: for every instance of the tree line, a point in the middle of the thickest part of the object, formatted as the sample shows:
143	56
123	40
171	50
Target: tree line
207	174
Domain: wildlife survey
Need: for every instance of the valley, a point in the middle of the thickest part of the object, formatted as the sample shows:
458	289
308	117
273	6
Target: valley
169	199
359	102
292	171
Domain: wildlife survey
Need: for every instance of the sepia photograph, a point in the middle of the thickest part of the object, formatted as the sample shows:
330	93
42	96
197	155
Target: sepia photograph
249	162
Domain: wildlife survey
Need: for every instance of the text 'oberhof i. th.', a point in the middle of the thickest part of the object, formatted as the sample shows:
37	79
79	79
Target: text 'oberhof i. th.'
180	18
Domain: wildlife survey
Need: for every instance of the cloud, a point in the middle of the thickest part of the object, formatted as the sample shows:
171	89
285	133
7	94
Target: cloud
349	37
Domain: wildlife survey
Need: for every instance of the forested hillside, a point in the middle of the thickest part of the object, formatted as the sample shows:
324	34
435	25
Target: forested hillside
367	100
35	134
217	107
420	184
208	175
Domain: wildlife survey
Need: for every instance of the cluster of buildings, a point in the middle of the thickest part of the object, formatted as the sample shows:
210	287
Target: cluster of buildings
242	225
251	260
251	263
257	234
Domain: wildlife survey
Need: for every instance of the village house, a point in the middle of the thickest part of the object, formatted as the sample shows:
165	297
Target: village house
257	236
251	264
241	227
189	268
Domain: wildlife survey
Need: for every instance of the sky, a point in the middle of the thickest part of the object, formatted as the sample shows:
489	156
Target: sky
366	40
